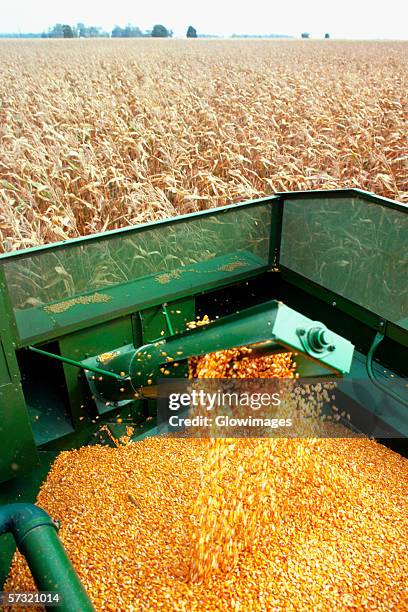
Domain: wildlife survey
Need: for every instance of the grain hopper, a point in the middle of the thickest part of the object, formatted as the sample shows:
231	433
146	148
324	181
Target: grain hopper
89	325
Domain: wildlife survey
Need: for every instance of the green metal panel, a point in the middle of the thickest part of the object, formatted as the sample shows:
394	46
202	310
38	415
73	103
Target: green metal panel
353	244
58	288
45	395
95	339
18	450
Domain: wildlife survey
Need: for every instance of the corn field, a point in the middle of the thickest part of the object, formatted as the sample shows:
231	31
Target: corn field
100	134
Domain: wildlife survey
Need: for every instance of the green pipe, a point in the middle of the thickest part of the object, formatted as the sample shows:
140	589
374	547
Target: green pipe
36	537
168	320
77	364
379	337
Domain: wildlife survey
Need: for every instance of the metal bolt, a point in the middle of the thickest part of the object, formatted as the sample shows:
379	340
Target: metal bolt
331	347
301	331
334	303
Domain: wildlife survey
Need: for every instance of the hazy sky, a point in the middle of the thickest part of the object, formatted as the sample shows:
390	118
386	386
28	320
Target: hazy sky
342	18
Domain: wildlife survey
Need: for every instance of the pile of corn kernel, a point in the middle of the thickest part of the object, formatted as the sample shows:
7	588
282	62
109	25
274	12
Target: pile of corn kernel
233	524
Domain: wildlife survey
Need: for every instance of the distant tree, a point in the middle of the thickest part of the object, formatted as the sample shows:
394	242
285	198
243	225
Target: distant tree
94	31
81	30
56	32
132	31
128	32
305	35
327	35
159	31
191	32
67	31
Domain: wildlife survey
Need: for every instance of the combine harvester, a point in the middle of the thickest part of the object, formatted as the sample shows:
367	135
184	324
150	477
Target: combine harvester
88	325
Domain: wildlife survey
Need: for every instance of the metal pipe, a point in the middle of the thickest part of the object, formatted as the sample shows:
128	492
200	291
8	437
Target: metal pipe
36	537
168	320
77	364
269	327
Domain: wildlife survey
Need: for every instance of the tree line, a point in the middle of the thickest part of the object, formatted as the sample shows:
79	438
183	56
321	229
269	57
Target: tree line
63	30
60	30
